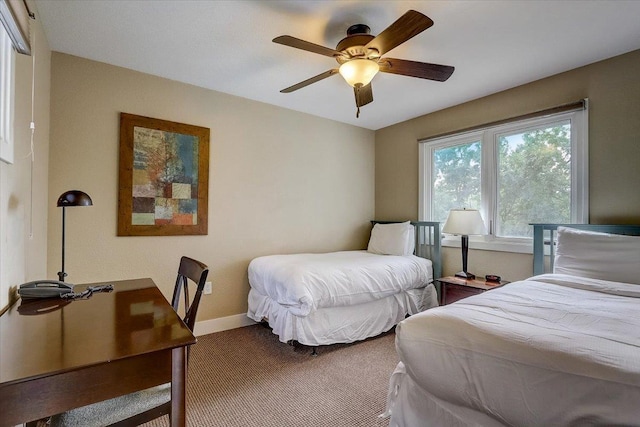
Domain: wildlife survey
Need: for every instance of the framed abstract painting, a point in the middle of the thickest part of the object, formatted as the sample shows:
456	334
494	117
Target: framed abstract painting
164	177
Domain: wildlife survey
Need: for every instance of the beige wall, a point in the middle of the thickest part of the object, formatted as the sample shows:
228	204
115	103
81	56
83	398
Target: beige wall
23	238
613	88
280	181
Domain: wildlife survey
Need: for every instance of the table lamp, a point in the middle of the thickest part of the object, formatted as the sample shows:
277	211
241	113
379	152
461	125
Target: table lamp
464	222
68	199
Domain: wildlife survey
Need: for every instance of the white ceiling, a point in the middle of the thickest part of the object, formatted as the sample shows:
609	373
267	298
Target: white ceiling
226	46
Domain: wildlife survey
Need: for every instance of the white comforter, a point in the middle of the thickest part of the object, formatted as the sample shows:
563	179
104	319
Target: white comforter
307	282
552	350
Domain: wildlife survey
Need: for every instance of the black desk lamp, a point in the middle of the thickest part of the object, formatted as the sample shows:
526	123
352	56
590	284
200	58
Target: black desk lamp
464	222
68	199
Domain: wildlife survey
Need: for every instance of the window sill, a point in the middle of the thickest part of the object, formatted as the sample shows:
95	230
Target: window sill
521	246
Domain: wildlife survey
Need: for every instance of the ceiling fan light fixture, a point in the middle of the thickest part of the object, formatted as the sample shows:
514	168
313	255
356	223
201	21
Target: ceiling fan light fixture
359	71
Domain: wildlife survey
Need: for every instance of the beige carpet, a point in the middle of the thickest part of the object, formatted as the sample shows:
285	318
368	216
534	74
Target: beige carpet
245	377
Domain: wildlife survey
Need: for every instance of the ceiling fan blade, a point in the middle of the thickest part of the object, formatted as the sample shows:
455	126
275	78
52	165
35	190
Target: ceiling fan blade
364	95
309	81
408	25
421	70
308	46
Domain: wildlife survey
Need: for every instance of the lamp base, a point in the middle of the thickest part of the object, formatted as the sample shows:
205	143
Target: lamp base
466	275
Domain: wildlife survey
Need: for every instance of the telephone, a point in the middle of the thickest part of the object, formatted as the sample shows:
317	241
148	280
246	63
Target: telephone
44	289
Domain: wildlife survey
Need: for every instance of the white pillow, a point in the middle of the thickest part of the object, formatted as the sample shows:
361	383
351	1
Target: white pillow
597	255
392	239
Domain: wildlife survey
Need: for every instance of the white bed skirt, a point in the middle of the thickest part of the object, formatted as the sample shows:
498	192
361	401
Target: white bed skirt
410	405
332	325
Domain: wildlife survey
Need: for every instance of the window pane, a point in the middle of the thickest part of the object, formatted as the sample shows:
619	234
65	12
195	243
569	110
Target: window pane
456	179
534	179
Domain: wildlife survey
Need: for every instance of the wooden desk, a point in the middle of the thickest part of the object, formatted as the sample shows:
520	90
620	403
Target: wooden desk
91	350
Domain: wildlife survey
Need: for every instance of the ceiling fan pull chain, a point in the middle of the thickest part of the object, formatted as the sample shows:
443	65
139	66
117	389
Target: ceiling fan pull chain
356	90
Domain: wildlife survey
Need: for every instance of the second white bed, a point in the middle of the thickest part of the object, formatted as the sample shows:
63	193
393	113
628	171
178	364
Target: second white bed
319	299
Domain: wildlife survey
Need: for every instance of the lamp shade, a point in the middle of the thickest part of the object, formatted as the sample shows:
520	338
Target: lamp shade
359	71
464	221
74	198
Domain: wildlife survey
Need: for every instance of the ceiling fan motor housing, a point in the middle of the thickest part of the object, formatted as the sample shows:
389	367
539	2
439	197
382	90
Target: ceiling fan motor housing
353	45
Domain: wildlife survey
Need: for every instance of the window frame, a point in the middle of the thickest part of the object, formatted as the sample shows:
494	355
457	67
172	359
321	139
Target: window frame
7	89
489	138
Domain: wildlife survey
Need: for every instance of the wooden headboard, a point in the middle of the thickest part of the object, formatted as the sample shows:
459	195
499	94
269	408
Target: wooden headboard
545	234
428	242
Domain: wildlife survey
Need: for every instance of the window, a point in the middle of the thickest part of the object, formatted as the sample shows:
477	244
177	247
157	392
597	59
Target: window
525	171
6	96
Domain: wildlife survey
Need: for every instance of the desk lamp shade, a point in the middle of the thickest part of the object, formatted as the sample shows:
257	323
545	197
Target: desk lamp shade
464	222
69	199
74	198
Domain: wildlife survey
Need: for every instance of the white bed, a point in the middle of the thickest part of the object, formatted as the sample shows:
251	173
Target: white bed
341	297
557	349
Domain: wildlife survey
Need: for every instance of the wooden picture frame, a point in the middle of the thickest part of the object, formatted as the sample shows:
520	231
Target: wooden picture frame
163	177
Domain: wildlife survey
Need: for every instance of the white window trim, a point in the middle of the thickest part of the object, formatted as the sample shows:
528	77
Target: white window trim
7	64
489	137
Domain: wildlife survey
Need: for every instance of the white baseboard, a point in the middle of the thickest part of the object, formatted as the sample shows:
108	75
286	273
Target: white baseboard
222	324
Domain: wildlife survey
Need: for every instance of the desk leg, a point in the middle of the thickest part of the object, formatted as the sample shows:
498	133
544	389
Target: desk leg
178	386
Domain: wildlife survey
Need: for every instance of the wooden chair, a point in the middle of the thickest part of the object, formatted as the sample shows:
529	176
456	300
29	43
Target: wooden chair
142	406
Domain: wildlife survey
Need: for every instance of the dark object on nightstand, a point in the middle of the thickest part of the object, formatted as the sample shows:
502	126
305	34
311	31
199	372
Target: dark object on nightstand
453	289
492	278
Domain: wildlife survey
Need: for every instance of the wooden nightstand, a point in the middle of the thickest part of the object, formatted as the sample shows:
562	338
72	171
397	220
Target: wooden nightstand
456	288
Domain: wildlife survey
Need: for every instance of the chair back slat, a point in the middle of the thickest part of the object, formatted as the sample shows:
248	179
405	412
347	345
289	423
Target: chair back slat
190	269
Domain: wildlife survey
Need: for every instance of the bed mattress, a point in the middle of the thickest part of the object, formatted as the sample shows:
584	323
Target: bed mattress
552	350
306	282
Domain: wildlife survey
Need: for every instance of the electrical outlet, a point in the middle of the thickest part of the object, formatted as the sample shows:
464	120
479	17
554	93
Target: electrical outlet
207	288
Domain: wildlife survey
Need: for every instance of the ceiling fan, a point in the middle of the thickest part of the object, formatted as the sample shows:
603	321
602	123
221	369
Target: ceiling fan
360	56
